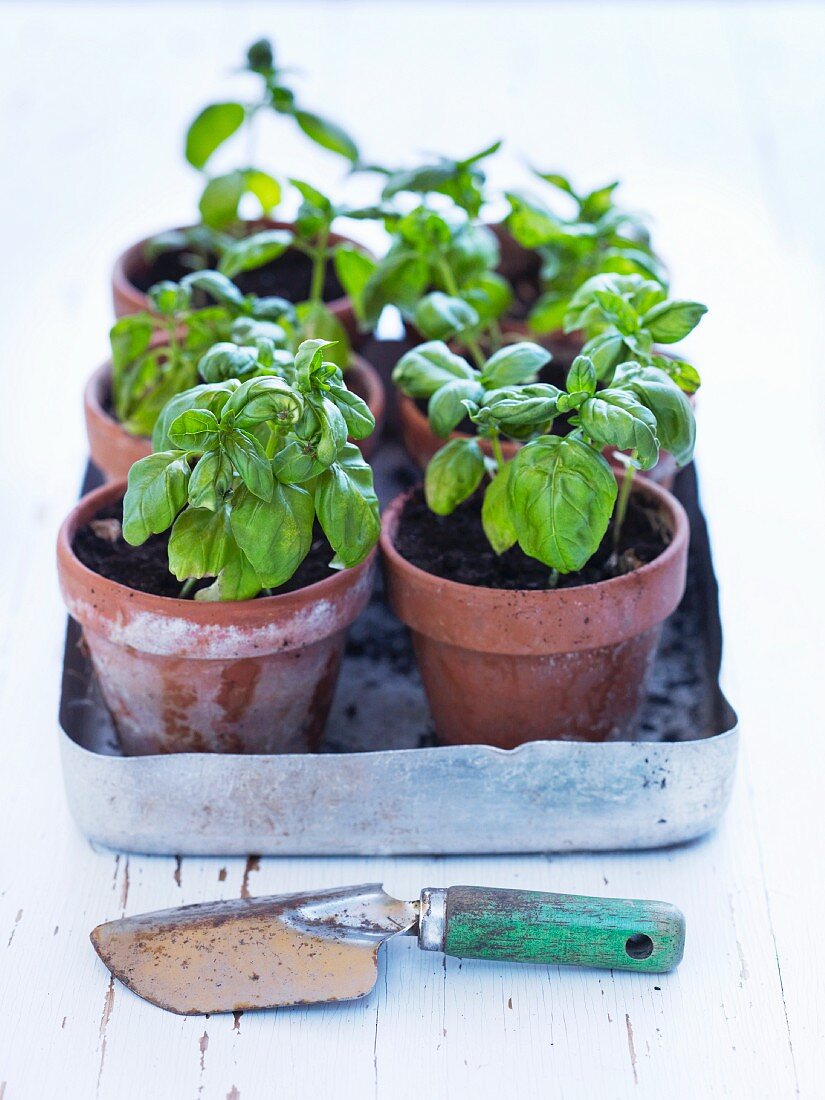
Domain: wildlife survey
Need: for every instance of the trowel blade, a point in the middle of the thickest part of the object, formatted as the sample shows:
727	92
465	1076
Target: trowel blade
227	956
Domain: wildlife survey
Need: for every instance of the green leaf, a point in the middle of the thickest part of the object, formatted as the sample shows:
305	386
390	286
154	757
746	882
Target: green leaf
354	269
439	316
617	311
155	494
547	315
332	429
168	298
605	352
250	253
673	320
581	378
684	374
220	288
530	225
211	396
249	458
194	430
268	398
221	198
275	535
317	321
615	418
446	408
236	581
347	507
200	544
562	493
423	369
355	411
265	189
453	474
514	364
225	360
210	481
212	127
327	135
489	294
675	422
400	279
522	411
496	512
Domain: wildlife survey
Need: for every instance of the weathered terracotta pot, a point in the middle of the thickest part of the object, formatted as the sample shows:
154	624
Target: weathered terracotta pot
503	667
113	449
254	676
131	265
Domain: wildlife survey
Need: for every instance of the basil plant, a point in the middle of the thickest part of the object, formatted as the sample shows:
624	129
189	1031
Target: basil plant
556	497
440	271
156	355
625	316
242	469
600	236
462	181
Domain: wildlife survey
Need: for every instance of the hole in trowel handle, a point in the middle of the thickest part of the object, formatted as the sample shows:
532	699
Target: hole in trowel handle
639	946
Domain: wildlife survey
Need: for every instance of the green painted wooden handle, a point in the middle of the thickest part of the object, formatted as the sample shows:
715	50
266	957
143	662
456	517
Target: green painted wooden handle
526	926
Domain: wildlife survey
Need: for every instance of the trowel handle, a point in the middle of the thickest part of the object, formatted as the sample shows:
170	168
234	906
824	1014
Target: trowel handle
476	922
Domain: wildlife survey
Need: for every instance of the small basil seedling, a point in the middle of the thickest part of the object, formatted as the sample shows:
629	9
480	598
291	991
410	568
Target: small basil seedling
242	469
555	498
463	181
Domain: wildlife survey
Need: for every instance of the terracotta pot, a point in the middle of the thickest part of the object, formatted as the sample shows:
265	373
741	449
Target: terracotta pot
503	667
131	265
113	449
254	676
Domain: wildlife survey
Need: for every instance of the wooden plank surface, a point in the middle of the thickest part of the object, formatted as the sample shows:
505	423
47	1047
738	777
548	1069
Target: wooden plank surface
713	114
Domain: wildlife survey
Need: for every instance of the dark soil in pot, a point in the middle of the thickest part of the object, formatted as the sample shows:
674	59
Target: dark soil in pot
455	547
102	548
287	277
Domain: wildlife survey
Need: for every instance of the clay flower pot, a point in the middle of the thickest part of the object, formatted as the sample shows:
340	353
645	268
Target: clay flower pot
131	269
113	449
502	667
254	676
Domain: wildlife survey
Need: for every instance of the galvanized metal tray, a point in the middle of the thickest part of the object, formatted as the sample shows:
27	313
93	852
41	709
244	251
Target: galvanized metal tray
372	788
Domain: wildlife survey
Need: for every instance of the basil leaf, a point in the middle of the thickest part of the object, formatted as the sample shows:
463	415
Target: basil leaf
615	418
514	364
439	316
210	481
617	311
237	579
582	376
194	430
327	135
453	474
421	371
562	493
347	507
155	494
212	127
496	512
263	399
354	269
332	429
675	422
216	285
211	396
249	458
446	408
684	374
253	252
672	321
355	411
200	543
275	535
220	199
225	360
317	321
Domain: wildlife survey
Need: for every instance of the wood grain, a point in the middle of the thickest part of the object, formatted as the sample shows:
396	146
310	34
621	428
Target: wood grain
713	114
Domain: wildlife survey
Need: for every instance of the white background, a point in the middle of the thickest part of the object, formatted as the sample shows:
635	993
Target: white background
713	116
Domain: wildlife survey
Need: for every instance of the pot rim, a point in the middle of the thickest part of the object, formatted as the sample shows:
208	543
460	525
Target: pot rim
680	533
206	612
124	286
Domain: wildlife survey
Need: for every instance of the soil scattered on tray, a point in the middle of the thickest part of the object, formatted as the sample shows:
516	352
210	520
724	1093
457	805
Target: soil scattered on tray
456	548
102	548
287	277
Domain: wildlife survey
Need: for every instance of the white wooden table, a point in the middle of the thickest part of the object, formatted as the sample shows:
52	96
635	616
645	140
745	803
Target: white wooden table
713	115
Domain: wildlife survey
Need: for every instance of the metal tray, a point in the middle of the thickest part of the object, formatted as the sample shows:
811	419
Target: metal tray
372	788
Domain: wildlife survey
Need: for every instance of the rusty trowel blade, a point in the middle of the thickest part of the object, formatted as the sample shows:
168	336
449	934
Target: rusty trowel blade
228	956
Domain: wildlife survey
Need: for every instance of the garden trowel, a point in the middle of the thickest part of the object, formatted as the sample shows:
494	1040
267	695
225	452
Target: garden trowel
296	949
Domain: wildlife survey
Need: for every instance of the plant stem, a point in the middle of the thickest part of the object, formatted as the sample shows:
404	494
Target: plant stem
621	506
186	587
319	263
452	288
498	454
